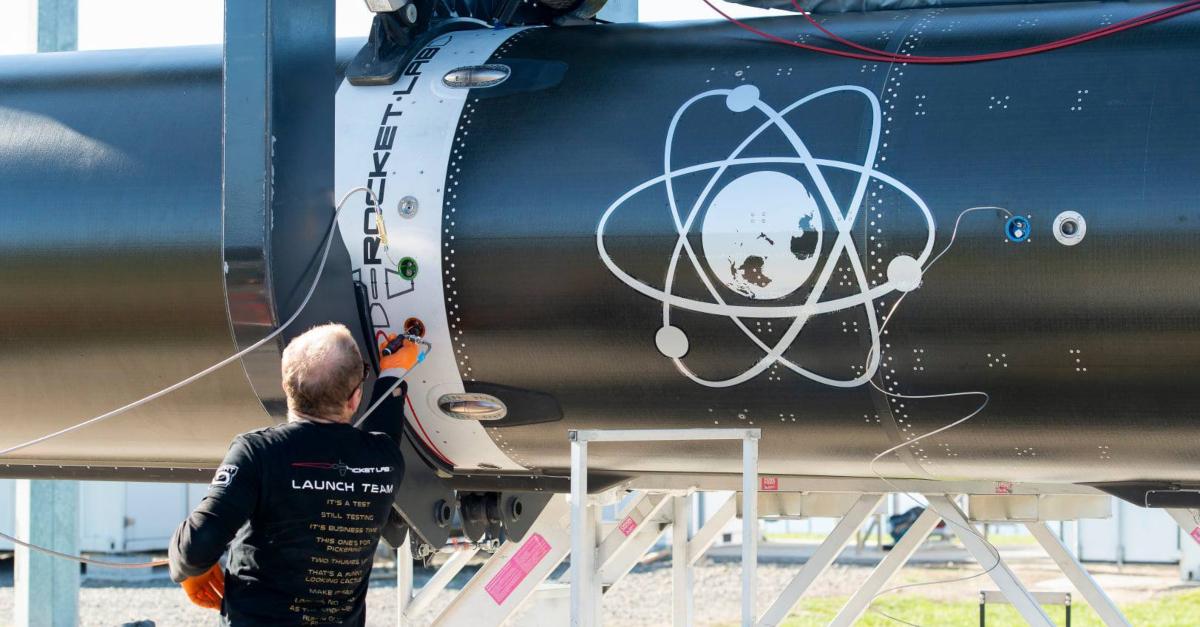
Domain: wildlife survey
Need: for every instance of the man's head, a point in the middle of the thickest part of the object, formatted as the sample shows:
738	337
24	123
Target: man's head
323	373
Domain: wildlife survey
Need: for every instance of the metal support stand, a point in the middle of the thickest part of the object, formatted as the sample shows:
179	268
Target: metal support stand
1189	522
404	578
706	535
1001	574
1080	578
442	578
514	572
1187	519
638	527
681	564
749	527
585	585
822	559
57	25
887	568
584	612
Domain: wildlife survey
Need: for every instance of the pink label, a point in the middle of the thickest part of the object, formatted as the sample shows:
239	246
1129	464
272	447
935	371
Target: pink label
1003	487
517	568
627	526
768	484
1195	534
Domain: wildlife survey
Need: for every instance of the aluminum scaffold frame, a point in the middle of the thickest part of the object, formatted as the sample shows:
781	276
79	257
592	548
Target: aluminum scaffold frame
570	525
585	586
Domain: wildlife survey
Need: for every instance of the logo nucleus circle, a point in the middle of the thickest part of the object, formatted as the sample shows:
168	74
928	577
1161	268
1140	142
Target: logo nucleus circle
741	231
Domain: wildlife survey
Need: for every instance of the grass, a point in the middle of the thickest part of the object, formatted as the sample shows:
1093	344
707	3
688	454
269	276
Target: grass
1179	609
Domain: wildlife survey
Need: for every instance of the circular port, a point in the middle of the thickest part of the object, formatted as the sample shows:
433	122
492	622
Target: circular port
1069	228
414	326
408	268
1017	229
443	514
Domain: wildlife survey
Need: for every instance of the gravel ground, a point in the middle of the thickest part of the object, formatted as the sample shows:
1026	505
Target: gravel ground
641	599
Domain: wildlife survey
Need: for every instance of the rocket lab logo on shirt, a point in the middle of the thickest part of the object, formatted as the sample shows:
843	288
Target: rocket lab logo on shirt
224	476
342	468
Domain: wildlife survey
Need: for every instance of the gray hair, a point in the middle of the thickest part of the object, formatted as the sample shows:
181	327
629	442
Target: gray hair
321	369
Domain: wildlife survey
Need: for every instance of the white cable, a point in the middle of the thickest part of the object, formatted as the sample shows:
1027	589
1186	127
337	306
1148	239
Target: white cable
224	362
986	398
83	560
382	397
203	373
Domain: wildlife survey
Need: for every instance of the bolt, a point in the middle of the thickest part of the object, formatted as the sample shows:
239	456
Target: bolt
408	205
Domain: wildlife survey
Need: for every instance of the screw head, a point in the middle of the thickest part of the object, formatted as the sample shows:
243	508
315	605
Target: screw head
408	205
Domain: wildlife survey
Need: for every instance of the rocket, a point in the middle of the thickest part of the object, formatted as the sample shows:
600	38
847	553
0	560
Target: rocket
648	226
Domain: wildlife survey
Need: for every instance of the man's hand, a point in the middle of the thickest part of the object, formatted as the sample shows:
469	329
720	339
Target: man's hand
405	357
206	590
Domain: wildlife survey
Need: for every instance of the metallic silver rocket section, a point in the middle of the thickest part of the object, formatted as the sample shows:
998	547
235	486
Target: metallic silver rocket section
277	166
110	257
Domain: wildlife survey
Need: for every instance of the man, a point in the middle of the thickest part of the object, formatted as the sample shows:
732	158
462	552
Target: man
304	503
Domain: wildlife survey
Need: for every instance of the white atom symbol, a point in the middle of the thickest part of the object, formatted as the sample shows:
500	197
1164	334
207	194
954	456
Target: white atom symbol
762	237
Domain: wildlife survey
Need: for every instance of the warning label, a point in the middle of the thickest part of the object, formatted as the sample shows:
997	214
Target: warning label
627	526
518	568
768	484
1195	534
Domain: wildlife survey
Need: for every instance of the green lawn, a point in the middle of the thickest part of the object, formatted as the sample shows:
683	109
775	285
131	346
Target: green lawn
1181	609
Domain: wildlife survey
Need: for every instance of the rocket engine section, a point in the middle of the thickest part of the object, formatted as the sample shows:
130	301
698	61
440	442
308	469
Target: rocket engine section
644	226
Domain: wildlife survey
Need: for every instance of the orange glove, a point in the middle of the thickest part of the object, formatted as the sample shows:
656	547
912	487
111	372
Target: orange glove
405	357
207	589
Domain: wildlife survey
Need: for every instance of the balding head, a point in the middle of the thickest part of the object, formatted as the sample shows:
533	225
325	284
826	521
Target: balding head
322	370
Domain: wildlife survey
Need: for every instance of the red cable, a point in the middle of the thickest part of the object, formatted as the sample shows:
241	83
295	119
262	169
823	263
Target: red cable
880	56
1154	16
1141	20
428	440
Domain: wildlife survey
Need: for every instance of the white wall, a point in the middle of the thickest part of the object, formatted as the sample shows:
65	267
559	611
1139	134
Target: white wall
107	24
117	517
1132	534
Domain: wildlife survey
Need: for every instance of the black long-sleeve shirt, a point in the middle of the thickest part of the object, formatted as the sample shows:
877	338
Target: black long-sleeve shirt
304	504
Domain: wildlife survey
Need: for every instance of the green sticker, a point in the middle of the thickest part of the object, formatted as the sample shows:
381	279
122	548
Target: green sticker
408	268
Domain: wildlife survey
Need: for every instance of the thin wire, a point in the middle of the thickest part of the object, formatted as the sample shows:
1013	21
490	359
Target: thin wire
878	56
426	347
155	563
82	560
986	399
1140	20
890	617
224	362
328	240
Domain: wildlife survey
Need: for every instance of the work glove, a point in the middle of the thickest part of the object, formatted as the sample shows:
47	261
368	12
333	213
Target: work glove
207	589
405	357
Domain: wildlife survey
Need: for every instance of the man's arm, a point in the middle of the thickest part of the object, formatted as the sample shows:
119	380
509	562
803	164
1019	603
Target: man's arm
389	417
232	498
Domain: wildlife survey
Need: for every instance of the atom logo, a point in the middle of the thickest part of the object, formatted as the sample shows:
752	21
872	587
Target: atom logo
762	238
